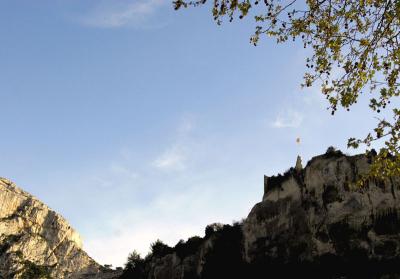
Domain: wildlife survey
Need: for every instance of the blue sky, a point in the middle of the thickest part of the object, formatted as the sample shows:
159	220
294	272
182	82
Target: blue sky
137	122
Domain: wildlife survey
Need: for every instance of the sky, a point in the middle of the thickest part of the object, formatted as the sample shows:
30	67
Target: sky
137	122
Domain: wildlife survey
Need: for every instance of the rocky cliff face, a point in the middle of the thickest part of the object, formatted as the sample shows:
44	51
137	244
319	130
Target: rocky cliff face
36	242
312	222
317	215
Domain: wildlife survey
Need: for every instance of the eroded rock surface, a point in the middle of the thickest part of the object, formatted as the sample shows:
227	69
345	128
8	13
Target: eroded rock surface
36	242
318	214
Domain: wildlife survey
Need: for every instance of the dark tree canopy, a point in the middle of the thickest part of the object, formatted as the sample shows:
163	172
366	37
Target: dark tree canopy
355	50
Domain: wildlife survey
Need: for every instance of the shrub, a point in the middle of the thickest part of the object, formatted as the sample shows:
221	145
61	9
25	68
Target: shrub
190	247
213	228
159	249
33	270
134	260
8	242
134	267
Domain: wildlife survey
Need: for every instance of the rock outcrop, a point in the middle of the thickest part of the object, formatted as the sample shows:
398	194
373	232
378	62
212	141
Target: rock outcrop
318	216
312	222
36	242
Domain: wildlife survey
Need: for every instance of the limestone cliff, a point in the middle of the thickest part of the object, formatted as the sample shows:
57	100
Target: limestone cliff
36	242
319	215
312	222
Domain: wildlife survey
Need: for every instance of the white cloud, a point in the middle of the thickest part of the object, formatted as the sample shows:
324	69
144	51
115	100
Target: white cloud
121	170
113	14
186	126
126	205
314	97
117	175
170	217
173	159
288	119
114	249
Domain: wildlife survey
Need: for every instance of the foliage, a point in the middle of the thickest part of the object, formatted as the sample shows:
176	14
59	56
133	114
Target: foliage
35	271
8	242
19	254
134	267
355	49
30	270
213	228
332	152
226	236
224	259
159	249
134	260
190	247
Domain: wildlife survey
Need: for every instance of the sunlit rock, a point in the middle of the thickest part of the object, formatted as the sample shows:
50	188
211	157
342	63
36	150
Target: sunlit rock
36	240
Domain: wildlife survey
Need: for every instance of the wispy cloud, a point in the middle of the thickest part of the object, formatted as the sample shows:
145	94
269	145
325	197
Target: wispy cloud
171	216
113	14
173	159
135	230
122	170
187	125
288	119
130	202
313	96
116	173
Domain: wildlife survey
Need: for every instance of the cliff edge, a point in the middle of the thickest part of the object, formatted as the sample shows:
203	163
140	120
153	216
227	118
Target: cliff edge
36	242
312	222
317	215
